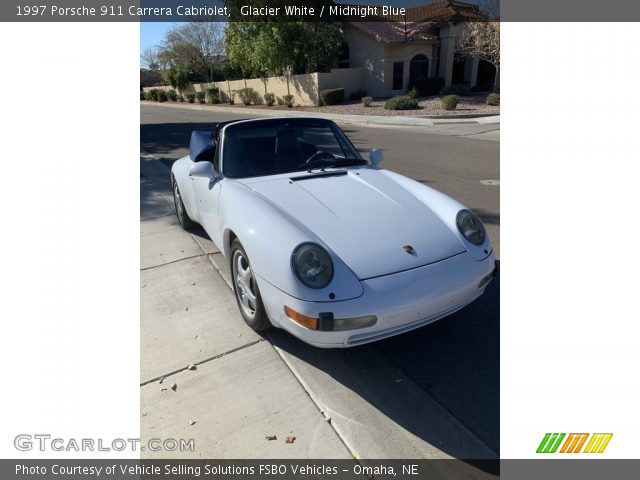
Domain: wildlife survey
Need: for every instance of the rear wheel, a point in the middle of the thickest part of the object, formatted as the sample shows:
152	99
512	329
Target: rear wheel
246	289
181	212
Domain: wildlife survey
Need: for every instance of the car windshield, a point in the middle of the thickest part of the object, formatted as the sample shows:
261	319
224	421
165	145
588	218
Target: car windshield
270	147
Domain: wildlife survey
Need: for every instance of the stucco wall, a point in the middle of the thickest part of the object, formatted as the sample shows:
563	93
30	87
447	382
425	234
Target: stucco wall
304	88
351	79
404	53
367	53
377	60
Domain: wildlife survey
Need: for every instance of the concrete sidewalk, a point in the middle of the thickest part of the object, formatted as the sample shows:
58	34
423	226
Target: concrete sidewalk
243	386
361	120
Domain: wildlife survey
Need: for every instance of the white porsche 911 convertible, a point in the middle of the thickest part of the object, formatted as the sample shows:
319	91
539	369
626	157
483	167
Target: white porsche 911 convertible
323	243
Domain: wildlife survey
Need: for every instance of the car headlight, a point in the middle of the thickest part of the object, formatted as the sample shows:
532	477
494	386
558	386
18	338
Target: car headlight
312	265
471	227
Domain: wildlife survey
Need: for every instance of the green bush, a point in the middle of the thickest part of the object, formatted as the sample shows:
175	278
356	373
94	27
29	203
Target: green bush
413	92
162	96
367	101
200	96
288	100
143	95
248	95
401	102
333	96
153	95
173	96
213	95
191	97
232	97
450	102
269	98
180	97
358	95
459	90
493	99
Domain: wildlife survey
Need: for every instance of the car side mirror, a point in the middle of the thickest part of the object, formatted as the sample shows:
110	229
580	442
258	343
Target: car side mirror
375	156
203	170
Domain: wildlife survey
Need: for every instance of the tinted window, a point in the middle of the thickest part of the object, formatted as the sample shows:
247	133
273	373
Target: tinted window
398	75
269	148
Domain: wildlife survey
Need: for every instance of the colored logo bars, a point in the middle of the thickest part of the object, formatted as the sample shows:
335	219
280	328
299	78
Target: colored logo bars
574	442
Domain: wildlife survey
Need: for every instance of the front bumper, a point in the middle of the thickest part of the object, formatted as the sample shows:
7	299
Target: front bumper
401	301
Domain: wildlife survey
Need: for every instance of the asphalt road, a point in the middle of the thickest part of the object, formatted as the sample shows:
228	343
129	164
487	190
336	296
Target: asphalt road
453	363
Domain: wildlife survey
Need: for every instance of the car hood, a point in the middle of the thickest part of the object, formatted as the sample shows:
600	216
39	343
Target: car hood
365	217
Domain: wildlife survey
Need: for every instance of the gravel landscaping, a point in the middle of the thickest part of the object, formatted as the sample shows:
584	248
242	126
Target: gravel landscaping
428	106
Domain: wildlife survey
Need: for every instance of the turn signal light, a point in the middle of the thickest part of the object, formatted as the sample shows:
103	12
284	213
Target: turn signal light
309	322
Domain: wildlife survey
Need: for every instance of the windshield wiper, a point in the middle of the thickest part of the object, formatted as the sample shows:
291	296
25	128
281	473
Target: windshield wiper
324	160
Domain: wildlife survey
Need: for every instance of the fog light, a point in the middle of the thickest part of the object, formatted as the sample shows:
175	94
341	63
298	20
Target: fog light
352	323
486	279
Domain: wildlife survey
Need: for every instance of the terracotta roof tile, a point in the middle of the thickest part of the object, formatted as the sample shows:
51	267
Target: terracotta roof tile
420	21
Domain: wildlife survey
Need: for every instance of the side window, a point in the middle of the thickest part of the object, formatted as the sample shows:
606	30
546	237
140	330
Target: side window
398	75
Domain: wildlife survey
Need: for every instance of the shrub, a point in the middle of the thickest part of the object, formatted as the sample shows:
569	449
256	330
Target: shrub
450	102
288	100
459	90
173	96
413	92
200	96
232	97
493	99
153	94
427	86
401	102
359	95
180	97
213	94
162	96
247	95
191	97
269	98
367	101
333	96
143	95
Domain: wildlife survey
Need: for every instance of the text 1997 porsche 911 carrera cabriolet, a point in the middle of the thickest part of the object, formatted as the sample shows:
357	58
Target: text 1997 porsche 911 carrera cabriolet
320	241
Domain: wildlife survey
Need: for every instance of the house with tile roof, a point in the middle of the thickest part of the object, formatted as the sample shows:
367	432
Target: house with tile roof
397	52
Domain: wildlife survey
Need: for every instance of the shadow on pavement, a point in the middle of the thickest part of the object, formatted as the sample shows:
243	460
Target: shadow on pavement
456	361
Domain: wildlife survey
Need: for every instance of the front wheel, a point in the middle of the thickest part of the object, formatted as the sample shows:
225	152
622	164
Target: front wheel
246	289
181	212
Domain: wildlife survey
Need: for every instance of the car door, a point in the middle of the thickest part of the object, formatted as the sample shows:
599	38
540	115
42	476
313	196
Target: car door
207	195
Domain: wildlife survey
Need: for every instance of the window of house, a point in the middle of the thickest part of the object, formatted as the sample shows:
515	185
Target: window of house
418	68
398	75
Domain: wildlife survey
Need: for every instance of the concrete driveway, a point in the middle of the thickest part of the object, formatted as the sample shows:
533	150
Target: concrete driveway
431	393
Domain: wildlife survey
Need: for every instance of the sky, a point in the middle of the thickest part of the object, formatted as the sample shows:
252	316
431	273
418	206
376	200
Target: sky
152	33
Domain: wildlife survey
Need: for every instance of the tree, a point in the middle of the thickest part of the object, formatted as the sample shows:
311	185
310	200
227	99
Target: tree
482	39
177	77
194	49
149	59
269	47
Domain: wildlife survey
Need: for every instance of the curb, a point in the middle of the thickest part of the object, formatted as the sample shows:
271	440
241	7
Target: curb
364	120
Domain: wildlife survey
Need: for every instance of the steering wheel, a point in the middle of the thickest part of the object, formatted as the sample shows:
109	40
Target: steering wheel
316	157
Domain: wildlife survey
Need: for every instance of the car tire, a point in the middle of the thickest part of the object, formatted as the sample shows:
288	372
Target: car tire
246	290
181	212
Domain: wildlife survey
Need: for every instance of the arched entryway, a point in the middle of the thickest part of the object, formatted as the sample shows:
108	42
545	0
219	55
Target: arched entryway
418	69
